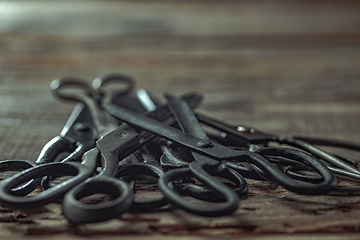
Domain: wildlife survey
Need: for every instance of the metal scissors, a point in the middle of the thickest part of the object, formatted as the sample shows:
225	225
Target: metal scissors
72	138
302	172
150	165
115	145
157	156
76	137
215	151
87	123
172	158
248	136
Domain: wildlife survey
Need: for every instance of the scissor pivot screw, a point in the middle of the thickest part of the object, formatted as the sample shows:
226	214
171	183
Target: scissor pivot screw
204	144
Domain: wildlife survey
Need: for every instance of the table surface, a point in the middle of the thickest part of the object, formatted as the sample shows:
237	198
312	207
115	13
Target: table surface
291	68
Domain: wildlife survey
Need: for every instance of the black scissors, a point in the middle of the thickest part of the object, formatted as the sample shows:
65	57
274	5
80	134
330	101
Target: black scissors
86	124
81	121
113	147
178	157
157	156
299	171
76	138
219	152
150	164
109	146
20	165
248	136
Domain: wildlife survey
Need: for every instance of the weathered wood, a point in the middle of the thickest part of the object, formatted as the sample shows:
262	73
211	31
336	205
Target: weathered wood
283	67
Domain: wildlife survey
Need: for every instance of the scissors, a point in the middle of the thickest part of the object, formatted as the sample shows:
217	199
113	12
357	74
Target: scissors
150	166
76	137
218	152
87	123
158	168
115	145
173	159
81	120
249	136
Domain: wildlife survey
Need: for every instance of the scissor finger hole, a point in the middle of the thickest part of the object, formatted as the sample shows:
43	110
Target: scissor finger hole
10	167
42	171
114	85
303	174
70	88
198	191
79	209
97	198
194	205
100	189
98	192
51	181
147	194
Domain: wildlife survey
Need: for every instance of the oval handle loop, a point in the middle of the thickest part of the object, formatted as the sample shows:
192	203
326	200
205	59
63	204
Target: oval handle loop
81	171
79	212
20	165
64	88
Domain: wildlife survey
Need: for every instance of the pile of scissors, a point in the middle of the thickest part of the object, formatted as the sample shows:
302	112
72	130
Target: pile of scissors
114	136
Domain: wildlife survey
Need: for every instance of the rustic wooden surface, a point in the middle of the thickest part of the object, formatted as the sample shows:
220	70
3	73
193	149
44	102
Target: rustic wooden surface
284	67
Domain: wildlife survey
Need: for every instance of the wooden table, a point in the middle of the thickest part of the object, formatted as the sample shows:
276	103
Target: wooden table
284	67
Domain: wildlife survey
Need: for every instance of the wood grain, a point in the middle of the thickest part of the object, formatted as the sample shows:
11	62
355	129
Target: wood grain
282	67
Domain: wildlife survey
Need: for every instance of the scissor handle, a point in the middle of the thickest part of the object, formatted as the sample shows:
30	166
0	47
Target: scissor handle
293	167
307	145
20	165
145	169
274	174
100	84
293	171
205	194
80	171
170	160
231	199
63	88
75	155
79	212
110	148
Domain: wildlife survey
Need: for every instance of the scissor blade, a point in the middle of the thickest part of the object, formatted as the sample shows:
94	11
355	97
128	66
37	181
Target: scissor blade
146	101
185	117
216	151
163	112
79	118
123	139
189	123
330	142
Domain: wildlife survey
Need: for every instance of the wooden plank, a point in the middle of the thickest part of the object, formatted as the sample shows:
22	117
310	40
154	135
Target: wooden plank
212	18
283	67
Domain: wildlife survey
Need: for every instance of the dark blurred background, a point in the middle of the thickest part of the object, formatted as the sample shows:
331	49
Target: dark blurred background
290	67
